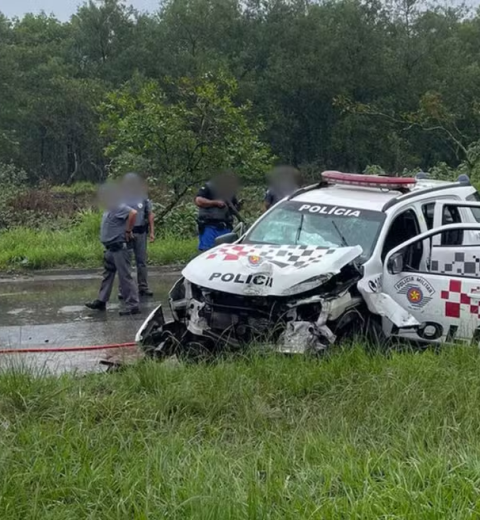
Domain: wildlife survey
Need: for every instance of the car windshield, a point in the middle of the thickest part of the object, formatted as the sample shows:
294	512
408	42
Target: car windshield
296	223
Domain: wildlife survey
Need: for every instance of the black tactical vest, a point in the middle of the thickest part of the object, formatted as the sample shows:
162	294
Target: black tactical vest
214	214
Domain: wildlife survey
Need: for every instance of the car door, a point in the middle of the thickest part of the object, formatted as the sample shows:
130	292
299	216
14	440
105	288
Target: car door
444	293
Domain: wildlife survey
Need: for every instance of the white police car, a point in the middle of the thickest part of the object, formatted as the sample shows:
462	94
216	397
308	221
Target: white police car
397	257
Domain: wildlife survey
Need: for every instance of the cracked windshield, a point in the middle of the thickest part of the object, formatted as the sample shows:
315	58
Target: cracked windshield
294	223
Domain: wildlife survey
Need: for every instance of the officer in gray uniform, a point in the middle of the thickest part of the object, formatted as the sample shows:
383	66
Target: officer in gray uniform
116	235
135	196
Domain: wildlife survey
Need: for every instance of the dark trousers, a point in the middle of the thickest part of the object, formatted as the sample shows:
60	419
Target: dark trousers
118	261
140	253
139	247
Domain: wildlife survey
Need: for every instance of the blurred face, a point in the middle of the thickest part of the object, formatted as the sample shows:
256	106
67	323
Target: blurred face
108	196
133	185
226	185
284	179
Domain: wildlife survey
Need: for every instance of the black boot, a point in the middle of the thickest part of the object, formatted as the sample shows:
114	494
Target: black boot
96	305
145	292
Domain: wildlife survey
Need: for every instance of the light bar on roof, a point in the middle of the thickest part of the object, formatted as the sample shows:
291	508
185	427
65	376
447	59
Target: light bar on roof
372	181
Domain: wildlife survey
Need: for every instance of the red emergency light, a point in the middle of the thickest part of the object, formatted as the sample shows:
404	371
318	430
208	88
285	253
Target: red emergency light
371	181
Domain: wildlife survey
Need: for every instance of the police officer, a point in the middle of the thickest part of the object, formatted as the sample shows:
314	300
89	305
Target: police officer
216	202
116	235
283	181
135	196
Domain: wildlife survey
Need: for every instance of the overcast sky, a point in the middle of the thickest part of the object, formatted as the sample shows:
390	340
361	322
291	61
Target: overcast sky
62	9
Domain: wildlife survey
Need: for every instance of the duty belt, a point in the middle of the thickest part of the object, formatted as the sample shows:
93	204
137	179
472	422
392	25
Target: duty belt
118	246
140	229
219	224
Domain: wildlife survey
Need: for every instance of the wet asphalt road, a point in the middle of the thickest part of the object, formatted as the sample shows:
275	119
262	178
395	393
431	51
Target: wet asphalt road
47	311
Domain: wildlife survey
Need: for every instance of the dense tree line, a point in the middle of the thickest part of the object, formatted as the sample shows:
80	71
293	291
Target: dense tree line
336	84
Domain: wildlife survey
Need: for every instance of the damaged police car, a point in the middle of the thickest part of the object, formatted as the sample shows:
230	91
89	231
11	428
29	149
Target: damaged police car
383	256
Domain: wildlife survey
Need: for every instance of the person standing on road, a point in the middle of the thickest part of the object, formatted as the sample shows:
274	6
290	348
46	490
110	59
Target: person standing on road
116	235
135	196
283	181
216	202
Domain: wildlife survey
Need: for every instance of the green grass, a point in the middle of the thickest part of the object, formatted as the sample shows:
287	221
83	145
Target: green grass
78	246
78	188
352	436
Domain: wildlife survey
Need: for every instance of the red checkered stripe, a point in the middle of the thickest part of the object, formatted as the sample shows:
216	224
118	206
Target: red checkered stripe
458	300
233	252
281	254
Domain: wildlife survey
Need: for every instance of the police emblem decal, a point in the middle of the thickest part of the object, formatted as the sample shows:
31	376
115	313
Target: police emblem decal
254	260
418	290
415	295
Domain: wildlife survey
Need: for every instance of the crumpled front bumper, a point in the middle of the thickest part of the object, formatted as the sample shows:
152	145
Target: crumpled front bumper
296	330
154	320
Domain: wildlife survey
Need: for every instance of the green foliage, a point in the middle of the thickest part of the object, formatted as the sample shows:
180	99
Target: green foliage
58	226
12	181
184	138
335	85
180	221
470	166
353	435
78	188
79	246
11	177
374	169
126	162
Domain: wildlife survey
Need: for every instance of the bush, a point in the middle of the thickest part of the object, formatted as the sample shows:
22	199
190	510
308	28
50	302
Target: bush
11	176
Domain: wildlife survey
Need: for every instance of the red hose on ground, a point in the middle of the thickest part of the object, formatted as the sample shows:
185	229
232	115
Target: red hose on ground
64	349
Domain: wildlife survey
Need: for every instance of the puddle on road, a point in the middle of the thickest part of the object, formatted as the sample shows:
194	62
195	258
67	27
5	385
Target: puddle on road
21	310
72	362
50	313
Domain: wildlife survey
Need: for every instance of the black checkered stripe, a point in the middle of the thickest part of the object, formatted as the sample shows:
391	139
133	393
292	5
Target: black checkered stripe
296	256
456	264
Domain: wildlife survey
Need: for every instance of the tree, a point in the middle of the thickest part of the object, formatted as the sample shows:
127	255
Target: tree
102	39
297	65
187	134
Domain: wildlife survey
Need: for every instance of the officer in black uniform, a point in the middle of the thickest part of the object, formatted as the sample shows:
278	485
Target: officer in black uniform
216	202
116	235
283	181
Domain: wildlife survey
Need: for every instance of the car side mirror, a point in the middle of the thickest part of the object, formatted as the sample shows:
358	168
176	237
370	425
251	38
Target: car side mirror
240	229
228	238
395	263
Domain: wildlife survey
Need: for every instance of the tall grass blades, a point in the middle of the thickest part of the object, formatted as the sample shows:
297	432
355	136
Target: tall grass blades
350	436
77	246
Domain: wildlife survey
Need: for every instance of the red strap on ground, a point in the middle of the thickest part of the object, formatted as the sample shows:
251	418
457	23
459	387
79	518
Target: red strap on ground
64	349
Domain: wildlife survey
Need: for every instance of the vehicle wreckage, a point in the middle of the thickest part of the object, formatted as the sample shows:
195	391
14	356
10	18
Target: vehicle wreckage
355	254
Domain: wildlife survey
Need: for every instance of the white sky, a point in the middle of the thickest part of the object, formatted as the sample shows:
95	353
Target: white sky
62	9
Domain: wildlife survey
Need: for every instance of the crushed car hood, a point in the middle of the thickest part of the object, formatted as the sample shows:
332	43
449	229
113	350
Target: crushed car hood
267	270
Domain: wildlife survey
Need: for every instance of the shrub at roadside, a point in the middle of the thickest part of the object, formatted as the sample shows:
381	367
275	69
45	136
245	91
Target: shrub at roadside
57	227
78	246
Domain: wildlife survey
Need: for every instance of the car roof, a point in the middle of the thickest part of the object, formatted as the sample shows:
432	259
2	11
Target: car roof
365	197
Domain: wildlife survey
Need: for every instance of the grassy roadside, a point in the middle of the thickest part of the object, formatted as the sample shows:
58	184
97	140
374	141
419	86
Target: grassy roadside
353	436
76	247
